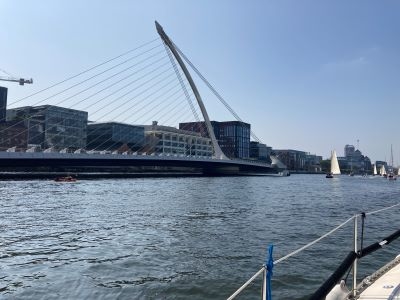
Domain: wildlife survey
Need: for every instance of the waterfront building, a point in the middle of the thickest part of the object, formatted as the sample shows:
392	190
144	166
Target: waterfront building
259	151
343	163
52	127
13	135
349	150
233	136
112	136
312	163
293	159
168	140
3	103
367	164
354	161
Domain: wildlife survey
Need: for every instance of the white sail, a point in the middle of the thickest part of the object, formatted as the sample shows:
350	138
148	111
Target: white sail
375	172
382	170
335	170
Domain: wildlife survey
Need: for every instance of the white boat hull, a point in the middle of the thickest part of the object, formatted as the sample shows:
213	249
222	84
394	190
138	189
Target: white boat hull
383	284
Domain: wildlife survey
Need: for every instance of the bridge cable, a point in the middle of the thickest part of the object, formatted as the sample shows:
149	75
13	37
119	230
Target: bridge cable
148	96
115	74
214	91
178	74
94	146
94	76
85	71
161	112
142	92
194	111
82	91
139	142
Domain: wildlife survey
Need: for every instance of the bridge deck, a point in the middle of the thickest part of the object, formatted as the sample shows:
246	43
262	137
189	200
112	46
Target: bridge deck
95	161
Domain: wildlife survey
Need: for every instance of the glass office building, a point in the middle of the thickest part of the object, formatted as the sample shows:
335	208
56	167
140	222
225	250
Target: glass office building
112	136
13	135
52	126
3	103
233	136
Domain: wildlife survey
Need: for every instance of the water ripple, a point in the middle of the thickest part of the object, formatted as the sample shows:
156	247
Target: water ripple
181	238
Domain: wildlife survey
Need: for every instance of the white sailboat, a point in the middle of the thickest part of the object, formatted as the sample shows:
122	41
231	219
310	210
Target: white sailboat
382	171
335	170
375	172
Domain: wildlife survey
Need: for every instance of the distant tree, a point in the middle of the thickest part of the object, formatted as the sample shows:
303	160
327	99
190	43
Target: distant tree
124	148
326	165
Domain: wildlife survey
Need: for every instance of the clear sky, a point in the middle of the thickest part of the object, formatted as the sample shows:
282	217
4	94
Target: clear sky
307	75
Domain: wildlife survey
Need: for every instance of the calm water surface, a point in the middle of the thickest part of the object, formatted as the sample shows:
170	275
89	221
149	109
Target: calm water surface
183	238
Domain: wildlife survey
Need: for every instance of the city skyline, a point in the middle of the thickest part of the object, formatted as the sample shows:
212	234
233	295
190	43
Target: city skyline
306	75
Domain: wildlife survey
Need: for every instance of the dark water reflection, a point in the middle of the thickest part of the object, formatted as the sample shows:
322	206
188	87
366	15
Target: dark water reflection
182	238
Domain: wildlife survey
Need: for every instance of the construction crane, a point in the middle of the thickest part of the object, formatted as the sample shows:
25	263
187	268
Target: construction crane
21	81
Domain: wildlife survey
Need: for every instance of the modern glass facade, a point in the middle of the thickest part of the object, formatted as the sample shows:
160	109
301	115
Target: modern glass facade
233	136
349	150
293	159
3	103
52	126
13	134
112	136
259	151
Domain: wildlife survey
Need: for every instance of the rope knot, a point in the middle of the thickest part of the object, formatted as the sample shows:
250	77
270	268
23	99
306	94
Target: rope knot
269	265
270	262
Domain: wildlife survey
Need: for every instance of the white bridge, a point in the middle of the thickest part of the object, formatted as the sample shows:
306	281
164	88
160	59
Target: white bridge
150	98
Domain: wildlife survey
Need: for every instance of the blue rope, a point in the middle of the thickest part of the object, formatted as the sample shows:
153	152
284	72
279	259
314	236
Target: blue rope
269	265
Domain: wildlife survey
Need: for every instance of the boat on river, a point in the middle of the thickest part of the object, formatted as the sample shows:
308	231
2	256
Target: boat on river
65	179
335	170
382	171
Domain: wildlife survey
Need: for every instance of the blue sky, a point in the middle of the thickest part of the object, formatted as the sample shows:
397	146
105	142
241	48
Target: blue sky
307	75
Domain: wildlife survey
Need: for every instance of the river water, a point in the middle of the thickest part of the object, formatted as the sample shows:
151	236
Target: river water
183	238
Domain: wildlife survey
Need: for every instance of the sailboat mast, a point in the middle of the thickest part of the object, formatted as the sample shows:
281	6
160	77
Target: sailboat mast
391	155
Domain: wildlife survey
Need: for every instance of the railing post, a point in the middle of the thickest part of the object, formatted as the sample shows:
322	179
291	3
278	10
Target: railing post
355	261
264	286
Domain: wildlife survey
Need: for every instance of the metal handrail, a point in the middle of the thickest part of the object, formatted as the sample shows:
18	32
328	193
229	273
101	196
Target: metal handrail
356	254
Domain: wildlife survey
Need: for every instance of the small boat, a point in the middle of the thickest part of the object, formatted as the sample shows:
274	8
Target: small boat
375	172
65	179
335	170
391	176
